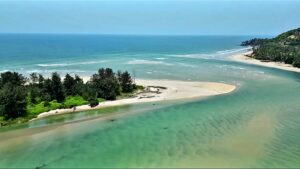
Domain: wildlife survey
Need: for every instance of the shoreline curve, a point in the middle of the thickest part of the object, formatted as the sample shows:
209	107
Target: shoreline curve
244	58
158	90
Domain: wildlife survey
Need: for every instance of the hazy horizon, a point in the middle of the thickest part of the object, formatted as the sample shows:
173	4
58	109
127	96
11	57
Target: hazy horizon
123	34
161	18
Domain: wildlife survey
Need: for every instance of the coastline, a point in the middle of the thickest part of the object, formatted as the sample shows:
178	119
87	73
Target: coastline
158	90
248	60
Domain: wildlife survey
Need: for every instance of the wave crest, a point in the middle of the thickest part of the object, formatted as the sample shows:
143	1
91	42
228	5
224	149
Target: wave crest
215	55
147	62
70	64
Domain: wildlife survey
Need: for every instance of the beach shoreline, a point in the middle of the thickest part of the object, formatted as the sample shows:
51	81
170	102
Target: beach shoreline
158	90
244	58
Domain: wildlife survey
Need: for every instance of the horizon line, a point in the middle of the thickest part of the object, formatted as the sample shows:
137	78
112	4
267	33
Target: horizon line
117	34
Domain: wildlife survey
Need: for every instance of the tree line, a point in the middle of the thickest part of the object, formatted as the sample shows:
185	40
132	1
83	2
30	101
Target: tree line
18	92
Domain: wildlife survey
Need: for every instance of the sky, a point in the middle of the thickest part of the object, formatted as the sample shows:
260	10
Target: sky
146	17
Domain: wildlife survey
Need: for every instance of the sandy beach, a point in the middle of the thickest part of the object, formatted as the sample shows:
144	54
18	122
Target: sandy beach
158	90
278	65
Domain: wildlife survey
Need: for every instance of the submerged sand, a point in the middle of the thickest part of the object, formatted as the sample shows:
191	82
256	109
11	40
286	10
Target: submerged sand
158	90
244	57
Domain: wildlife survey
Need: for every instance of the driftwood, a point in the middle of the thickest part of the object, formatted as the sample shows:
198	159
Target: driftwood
158	87
145	97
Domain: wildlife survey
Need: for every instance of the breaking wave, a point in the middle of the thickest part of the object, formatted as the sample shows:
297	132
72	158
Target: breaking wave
216	55
70	64
147	62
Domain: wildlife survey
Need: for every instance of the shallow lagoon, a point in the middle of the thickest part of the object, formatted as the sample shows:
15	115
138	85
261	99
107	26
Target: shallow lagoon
255	126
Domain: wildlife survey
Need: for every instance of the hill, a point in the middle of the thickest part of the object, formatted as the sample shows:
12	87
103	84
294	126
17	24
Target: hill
283	48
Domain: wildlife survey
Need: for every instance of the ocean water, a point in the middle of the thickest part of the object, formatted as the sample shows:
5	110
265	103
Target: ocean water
85	54
255	126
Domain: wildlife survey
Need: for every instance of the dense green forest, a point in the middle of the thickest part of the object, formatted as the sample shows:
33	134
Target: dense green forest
283	48
23	98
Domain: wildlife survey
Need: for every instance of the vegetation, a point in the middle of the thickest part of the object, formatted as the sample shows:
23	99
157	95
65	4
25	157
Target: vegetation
73	101
43	106
22	97
93	102
253	42
283	48
105	84
12	95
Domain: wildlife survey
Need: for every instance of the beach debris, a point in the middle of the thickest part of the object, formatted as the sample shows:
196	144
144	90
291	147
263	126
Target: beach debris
150	90
145	97
159	87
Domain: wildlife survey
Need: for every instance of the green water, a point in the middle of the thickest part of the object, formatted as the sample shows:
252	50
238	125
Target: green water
257	125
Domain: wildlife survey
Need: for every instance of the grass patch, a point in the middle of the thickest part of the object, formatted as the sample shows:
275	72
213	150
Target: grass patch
100	100
139	87
43	107
72	101
132	94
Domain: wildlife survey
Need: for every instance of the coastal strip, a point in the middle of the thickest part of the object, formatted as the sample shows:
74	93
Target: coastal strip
157	90
244	58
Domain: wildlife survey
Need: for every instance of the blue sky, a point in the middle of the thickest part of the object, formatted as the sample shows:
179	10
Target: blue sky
165	17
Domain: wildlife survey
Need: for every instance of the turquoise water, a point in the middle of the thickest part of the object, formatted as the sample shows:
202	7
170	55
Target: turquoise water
85	54
255	126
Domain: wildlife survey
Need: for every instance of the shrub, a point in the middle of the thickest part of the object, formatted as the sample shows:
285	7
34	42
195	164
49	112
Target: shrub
93	102
43	107
72	101
100	100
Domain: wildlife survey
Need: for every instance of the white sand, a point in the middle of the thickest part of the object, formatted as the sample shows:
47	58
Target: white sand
174	90
278	65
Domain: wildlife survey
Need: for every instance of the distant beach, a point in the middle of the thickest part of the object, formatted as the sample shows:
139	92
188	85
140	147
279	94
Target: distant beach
244	57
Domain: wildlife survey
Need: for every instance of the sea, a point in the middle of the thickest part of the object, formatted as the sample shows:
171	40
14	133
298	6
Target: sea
255	126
